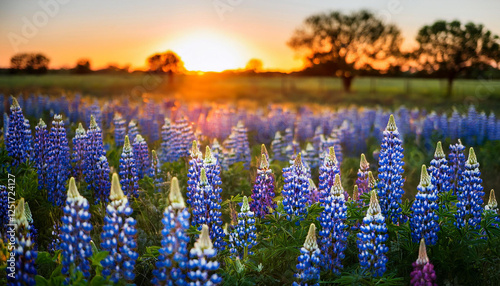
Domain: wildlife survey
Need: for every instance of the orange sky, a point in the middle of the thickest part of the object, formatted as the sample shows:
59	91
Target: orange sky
208	35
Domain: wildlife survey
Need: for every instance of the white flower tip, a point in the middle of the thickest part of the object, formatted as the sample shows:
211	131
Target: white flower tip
263	150
126	144
374	207
371	180
41	123
312	185
309	147
195	150
15	103
264	164
331	154
154	155
277	135
355	193
116	190
93	123
492	202
175	196
20	214
203	176
363	164
311	242
472	157
204	241
439	151
391	125
298	160
425	179
72	190
209	157
422	253
337	188
138	139
245	207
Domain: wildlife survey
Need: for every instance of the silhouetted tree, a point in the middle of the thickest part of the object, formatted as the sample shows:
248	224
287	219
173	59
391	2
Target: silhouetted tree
254	65
29	63
346	44
449	49
82	66
167	62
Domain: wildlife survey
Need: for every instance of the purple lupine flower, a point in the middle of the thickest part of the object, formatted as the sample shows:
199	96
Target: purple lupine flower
242	149
314	194
79	152
371	238
141	155
206	209
170	142
423	271
308	156
263	190
456	163
327	173
278	148
362	180
439	170
173	260
24	252
41	154
119	236
185	131
4	208
244	236
195	165
120	129
333	232
18	141
390	186
309	261
202	264
217	152
424	222
58	162
75	235
470	194
96	169
296	189
128	172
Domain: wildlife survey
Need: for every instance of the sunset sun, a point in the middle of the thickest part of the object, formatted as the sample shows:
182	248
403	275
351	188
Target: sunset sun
208	51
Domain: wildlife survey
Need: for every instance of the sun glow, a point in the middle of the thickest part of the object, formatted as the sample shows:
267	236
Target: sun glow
208	51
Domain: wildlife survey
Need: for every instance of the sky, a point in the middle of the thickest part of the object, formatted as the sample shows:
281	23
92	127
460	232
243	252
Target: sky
209	35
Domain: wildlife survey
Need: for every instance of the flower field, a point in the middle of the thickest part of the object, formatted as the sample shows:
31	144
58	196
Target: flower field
108	192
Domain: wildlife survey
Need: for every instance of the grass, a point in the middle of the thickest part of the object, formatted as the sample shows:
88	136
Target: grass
387	92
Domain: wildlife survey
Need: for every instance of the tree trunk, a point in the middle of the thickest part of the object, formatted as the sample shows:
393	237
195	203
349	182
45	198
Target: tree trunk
449	88
346	82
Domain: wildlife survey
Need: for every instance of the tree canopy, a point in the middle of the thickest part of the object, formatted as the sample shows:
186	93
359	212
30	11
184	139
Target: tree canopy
347	44
29	63
449	49
167	62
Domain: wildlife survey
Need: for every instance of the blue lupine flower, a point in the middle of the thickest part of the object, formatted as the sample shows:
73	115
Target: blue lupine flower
33	230
206	205
296	189
423	273
424	222
170	145
327	172
202	264
120	129
24	252
133	130
308	156
195	165
119	236
308	272
390	186
186	136
128	172
314	194
371	238
470	194
96	164
439	170
58	162
456	163
173	260
75	234
4	209
80	144
362	180
333	234
278	148
217	152
155	169
18	141
263	190
244	236
41	154
141	155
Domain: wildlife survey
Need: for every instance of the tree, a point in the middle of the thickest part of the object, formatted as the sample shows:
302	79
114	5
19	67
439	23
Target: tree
29	63
168	62
254	65
347	44
82	66
449	49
